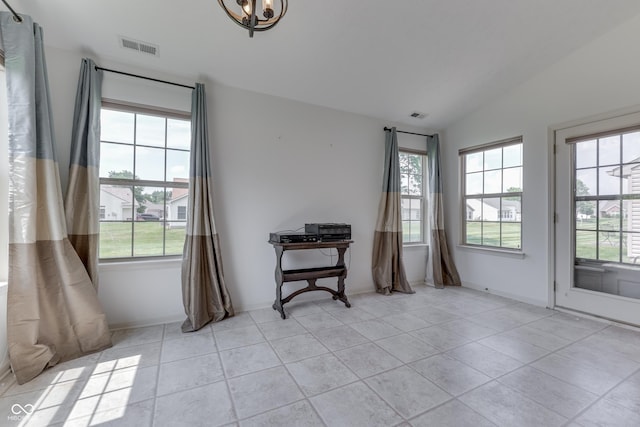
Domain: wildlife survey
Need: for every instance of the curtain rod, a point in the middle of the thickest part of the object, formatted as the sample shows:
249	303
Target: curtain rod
410	133
143	77
16	17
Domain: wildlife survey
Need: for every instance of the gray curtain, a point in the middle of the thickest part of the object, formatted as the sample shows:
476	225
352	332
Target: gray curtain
204	293
441	270
387	265
82	202
53	313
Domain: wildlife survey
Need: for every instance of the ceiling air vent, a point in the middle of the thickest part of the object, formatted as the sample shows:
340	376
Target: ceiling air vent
142	47
418	115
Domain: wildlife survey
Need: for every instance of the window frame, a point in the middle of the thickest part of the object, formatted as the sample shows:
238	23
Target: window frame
134	108
462	155
422	198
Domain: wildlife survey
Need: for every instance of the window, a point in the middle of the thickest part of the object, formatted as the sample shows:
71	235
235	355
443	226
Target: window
606	186
182	212
412	190
492	194
144	181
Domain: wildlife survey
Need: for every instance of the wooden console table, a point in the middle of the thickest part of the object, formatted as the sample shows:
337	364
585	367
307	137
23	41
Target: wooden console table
310	274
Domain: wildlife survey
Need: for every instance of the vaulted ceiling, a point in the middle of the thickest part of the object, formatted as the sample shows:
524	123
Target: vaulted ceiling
378	58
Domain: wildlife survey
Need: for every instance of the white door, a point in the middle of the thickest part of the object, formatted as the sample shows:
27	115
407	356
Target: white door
597	229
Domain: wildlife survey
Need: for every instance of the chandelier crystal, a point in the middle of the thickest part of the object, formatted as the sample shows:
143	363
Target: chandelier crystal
246	14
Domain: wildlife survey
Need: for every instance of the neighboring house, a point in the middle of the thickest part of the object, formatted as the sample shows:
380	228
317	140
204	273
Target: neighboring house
177	205
116	203
610	209
156	209
490	210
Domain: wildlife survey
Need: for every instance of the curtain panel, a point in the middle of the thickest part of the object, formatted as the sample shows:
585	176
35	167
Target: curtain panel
441	270
82	202
53	313
204	292
387	264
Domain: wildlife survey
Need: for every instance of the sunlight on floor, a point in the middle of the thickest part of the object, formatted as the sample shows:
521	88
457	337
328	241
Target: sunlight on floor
101	398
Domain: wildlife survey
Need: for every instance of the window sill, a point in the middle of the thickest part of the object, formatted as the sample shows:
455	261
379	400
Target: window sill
494	251
140	264
415	245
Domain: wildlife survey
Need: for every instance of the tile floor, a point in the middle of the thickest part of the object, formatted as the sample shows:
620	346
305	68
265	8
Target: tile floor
452	357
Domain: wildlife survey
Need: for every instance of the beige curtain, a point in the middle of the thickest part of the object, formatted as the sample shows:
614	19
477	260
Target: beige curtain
53	313
82	202
441	270
204	292
387	265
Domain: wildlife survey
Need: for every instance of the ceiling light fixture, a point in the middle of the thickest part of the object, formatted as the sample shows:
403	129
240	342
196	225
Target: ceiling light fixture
246	14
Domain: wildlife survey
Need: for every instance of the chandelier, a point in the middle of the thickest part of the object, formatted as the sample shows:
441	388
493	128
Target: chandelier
247	16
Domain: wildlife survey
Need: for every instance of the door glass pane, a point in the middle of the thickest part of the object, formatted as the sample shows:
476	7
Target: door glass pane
586	244
609	151
586	154
609	249
586	215
609	181
609	215
631	248
586	182
631	147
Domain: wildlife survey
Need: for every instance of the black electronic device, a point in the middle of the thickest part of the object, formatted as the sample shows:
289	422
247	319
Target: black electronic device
329	231
292	237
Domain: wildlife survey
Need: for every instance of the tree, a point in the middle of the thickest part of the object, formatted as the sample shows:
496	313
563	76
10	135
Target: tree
584	208
514	190
138	192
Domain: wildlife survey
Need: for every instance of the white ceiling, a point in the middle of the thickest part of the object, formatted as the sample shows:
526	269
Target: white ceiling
383	59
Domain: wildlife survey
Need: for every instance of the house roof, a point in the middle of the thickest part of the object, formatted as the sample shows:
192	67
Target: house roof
122	193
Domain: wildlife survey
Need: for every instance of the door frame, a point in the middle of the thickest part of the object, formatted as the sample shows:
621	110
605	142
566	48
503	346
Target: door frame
592	122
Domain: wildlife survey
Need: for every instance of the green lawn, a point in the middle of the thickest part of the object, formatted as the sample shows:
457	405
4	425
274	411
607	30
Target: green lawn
492	234
115	239
587	239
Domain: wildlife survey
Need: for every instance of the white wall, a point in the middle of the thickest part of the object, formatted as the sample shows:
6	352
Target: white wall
598	78
276	165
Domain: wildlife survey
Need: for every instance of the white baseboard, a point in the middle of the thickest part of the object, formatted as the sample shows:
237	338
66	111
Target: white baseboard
148	322
539	303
